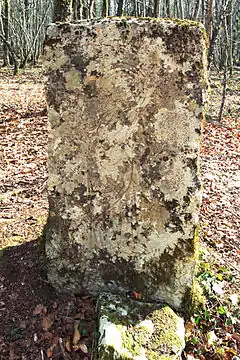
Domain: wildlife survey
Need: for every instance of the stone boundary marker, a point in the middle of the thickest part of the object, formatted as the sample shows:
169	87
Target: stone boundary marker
125	100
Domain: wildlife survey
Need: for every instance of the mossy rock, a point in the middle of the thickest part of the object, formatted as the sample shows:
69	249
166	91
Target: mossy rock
131	329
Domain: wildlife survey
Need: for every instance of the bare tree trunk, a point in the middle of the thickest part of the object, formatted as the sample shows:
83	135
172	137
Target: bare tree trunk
230	36
196	10
208	19
203	11
181	12
176	10
168	8
91	6
120	7
62	10
6	20
225	71
14	57
105	8
156	7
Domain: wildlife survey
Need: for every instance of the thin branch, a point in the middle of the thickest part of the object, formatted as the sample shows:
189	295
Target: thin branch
63	352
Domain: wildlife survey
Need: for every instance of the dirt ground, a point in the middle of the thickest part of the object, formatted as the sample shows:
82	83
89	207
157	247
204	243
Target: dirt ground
36	323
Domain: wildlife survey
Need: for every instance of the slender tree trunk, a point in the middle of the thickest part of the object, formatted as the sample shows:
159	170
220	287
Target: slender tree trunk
176	10
156	8
6	20
168	8
91	6
196	10
230	36
13	55
225	71
62	10
181	12
105	8
120	7
203	11
208	19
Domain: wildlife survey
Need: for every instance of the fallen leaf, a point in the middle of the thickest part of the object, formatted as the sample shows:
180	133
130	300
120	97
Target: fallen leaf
189	327
68	345
39	309
49	353
211	337
218	288
47	321
234	299
76	334
83	348
236	336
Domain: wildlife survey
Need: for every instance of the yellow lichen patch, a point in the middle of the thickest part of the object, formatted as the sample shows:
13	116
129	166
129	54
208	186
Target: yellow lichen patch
53	116
73	79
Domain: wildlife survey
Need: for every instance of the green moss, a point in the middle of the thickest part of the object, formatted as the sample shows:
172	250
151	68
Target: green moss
165	341
130	343
181	22
196	240
193	299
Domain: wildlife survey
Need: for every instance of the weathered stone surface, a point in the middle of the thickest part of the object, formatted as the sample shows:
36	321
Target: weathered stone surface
125	101
136	330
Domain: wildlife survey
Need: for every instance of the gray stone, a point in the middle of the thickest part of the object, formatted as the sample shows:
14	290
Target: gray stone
125	100
130	329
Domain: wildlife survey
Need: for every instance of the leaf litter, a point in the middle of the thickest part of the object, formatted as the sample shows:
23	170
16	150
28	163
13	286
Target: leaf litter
36	323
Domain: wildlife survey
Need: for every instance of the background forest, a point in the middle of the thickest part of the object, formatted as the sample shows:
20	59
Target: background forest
23	23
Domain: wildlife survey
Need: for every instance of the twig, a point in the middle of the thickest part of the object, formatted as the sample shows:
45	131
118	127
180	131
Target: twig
233	213
42	355
233	266
63	350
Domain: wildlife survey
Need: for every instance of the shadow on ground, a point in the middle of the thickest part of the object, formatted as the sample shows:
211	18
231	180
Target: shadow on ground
34	319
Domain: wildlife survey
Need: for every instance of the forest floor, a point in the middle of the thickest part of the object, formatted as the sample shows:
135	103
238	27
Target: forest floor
36	323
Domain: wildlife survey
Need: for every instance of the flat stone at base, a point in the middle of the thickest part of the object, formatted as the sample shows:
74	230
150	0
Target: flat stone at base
131	329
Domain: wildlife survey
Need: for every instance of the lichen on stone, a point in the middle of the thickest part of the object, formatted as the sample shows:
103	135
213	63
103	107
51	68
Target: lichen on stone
156	333
125	100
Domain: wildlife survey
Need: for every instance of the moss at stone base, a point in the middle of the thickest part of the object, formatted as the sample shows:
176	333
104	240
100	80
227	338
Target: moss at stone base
158	333
167	340
193	299
130	344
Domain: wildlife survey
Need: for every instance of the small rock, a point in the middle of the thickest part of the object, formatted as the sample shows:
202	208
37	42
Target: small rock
126	333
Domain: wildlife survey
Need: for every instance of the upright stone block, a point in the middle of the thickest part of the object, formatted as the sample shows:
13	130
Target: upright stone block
125	100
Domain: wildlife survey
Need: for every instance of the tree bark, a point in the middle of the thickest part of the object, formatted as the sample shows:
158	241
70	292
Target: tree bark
230	36
120	7
168	8
225	71
208	19
105	8
156	8
6	20
196	10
